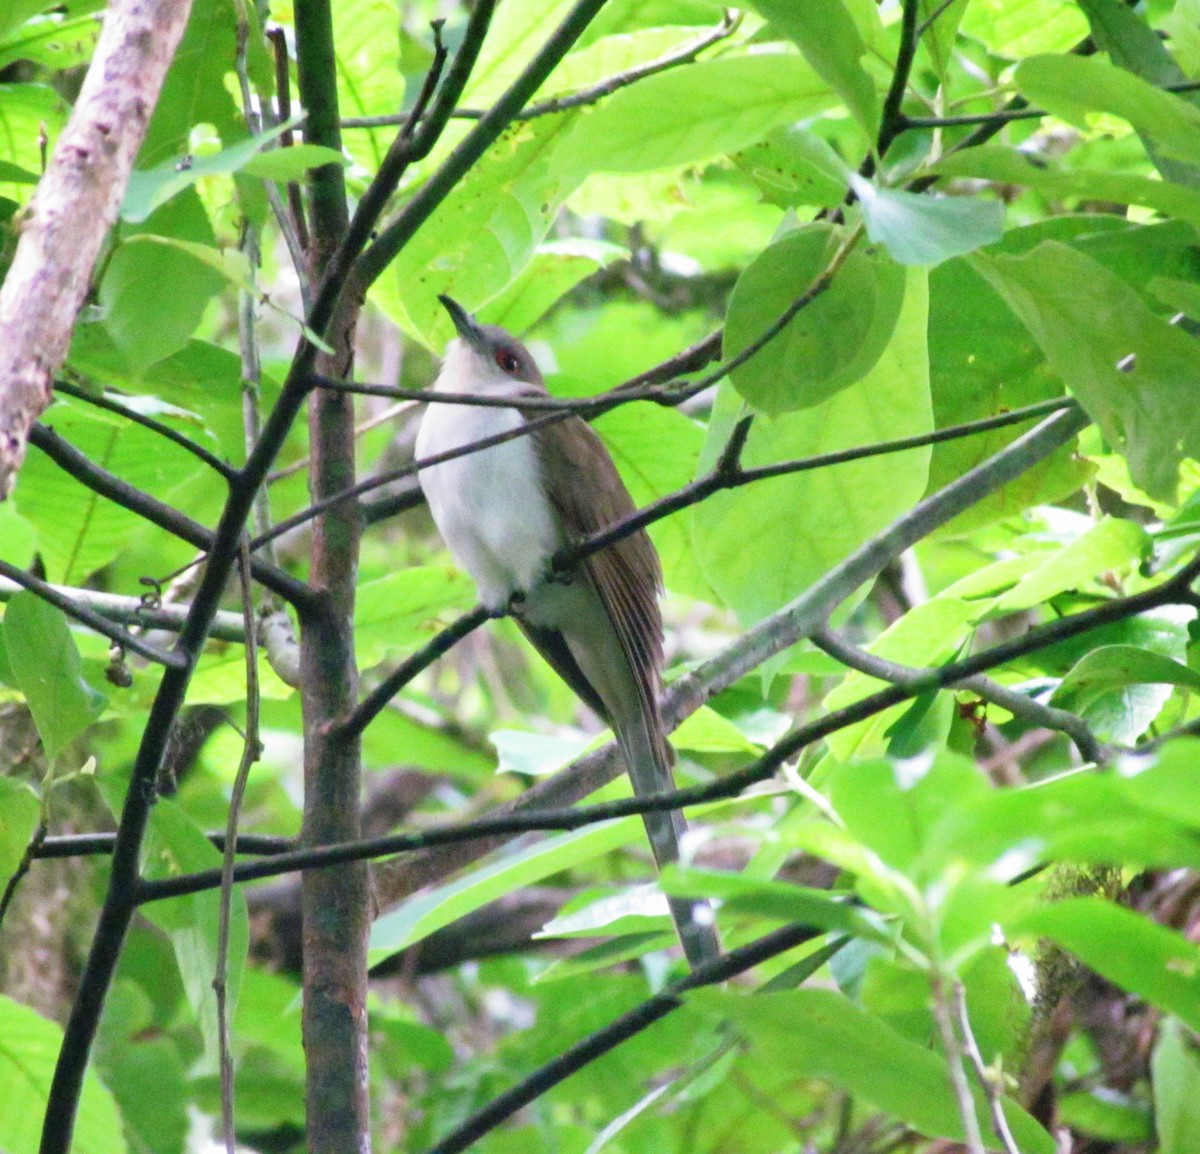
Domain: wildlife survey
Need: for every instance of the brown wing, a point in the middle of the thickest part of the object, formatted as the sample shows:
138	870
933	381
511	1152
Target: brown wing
626	575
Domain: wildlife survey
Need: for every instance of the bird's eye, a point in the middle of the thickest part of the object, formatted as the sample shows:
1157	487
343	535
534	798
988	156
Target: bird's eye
507	360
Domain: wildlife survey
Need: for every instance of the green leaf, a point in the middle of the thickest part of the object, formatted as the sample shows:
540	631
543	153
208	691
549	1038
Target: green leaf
1011	166
792	166
79	532
740	893
939	36
925	230
56	42
830	41
482	235
17	12
1118	690
1175	1075
19	813
396	614
176	845
1147	412
145	1070
421	915
1077	817
1128	949
1111	666
194	91
367	40
1019	28
831	343
1108	545
45	662
760	545
29	1047
1070	87
149	188
690	114
822	1034
147	323
556	268
1107	1115
284	164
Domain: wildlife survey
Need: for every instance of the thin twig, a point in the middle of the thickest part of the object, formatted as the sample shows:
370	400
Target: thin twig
251	751
585	96
1018	704
990	1080
106	401
53	595
943	1015
92	844
297	235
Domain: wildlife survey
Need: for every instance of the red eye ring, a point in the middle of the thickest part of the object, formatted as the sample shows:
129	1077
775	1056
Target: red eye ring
507	360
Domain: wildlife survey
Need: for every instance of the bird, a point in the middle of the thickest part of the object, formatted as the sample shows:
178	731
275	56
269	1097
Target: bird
505	511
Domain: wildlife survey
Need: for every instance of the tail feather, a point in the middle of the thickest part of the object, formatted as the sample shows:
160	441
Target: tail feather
648	759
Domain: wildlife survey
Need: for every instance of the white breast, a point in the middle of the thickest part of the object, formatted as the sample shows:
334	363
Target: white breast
489	506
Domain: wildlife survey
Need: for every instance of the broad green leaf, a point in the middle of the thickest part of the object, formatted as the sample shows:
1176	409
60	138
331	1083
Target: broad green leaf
1019	28
29	1046
556	268
1128	949
761	544
1073	86
822	1034
690	114
1107	1114
145	1070
1083	816
45	662
832	342
792	166
1011	166
483	234
624	912
148	188
1148	412
1118	690
421	915
176	845
535	754
367	42
147	323
772	899
827	35
1131	43
1175	1074
193	92
19	812
939	35
611	55
16	13
398	613
79	532
924	230
1108	545
1167	784
56	42
25	109
516	27
706	731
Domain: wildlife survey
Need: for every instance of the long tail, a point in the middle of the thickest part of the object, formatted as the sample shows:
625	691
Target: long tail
648	759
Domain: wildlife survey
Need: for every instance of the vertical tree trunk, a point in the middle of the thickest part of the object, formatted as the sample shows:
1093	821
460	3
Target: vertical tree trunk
334	901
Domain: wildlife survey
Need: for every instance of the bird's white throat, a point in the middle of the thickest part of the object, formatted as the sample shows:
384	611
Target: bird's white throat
491	506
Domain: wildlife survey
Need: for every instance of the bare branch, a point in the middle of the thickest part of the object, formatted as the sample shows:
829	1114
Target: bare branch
75	205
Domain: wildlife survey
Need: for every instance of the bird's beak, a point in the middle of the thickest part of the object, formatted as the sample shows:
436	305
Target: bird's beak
466	325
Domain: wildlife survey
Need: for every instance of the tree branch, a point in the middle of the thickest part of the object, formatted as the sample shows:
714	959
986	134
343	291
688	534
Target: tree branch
75	205
1018	704
54	595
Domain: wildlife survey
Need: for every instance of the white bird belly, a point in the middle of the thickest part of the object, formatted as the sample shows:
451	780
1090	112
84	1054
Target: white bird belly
489	506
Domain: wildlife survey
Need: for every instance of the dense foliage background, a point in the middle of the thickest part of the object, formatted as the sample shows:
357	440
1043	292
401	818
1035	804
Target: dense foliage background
961	906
